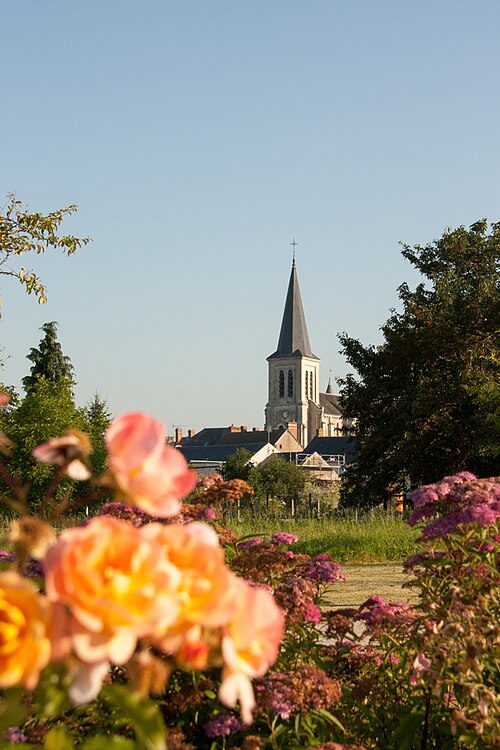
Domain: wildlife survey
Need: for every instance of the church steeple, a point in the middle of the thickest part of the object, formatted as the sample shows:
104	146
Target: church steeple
293	338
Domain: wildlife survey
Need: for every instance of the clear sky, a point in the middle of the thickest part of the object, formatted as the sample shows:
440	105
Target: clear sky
197	138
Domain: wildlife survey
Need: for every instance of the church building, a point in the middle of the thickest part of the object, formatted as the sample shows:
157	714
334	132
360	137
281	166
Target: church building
294	398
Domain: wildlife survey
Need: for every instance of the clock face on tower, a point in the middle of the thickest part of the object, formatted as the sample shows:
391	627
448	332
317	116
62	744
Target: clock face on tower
284	414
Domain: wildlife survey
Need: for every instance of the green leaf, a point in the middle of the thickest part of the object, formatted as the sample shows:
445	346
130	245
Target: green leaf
12	710
102	742
58	739
143	714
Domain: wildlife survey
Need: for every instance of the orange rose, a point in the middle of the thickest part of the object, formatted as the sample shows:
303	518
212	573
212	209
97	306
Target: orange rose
250	646
26	631
118	585
206	593
149	473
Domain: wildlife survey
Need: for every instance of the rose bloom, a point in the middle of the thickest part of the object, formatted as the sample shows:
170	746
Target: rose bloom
151	474
29	635
207	588
250	646
118	586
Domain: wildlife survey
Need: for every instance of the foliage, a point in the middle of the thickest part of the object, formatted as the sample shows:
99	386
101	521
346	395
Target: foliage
237	465
427	401
45	412
49	362
382	676
277	478
22	233
98	419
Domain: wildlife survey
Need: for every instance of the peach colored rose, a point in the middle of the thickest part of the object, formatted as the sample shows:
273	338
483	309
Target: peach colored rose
118	586
250	646
207	588
27	631
4	398
149	473
71	451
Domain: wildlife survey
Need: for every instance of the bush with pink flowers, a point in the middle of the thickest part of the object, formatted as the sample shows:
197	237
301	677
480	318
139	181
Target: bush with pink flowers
150	626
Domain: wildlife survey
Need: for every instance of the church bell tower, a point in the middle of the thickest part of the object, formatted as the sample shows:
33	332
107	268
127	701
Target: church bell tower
293	390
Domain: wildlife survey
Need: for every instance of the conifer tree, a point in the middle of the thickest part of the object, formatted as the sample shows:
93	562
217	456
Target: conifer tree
48	360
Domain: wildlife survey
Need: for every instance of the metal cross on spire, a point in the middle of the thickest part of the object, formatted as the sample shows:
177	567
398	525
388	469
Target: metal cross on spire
294	245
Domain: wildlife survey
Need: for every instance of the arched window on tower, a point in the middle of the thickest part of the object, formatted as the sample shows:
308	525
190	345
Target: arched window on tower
282	384
290	384
307	382
311	386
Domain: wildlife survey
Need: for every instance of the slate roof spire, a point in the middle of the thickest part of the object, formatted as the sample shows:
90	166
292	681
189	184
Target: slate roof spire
293	339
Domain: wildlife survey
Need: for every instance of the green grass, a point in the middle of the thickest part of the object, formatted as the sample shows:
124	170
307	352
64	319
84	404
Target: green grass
371	539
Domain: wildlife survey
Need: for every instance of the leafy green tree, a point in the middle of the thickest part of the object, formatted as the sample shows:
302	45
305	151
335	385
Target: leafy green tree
277	478
45	412
49	362
98	418
237	466
427	400
23	233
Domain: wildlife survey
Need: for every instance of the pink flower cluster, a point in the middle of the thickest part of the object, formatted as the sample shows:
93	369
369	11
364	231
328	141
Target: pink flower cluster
457	500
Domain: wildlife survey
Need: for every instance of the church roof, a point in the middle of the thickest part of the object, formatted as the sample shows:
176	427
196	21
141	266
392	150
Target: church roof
293	339
346	446
219	436
330	404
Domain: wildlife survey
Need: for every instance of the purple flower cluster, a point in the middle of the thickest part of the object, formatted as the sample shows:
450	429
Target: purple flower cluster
222	725
456	501
255	541
283	537
125	513
206	514
322	569
208	481
376	612
306	688
14	735
296	597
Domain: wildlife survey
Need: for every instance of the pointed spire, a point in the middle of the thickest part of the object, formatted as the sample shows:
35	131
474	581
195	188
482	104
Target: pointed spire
294	338
329	387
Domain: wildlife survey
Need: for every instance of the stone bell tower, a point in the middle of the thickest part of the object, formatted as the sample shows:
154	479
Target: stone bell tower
293	391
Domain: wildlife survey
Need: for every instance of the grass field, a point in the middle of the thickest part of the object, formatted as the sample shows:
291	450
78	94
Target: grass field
370	540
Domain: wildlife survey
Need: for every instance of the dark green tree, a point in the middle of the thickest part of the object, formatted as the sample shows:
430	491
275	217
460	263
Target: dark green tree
98	418
49	361
45	412
237	465
23	232
277	478
427	400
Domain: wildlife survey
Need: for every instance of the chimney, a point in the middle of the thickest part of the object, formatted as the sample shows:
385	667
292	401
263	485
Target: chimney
191	433
178	435
243	428
232	428
293	429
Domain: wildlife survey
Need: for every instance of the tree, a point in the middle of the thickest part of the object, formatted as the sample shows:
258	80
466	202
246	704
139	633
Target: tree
427	400
98	418
277	478
22	232
45	412
237	465
49	361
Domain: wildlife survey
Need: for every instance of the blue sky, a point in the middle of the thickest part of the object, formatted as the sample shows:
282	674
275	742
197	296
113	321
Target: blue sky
197	138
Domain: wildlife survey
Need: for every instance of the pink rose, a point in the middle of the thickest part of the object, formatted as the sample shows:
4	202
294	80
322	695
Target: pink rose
149	473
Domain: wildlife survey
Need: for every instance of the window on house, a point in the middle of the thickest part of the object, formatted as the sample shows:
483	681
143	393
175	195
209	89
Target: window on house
282	384
290	384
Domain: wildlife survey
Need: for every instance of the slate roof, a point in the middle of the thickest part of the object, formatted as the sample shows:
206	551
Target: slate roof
293	339
330	403
333	446
218	436
215	452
